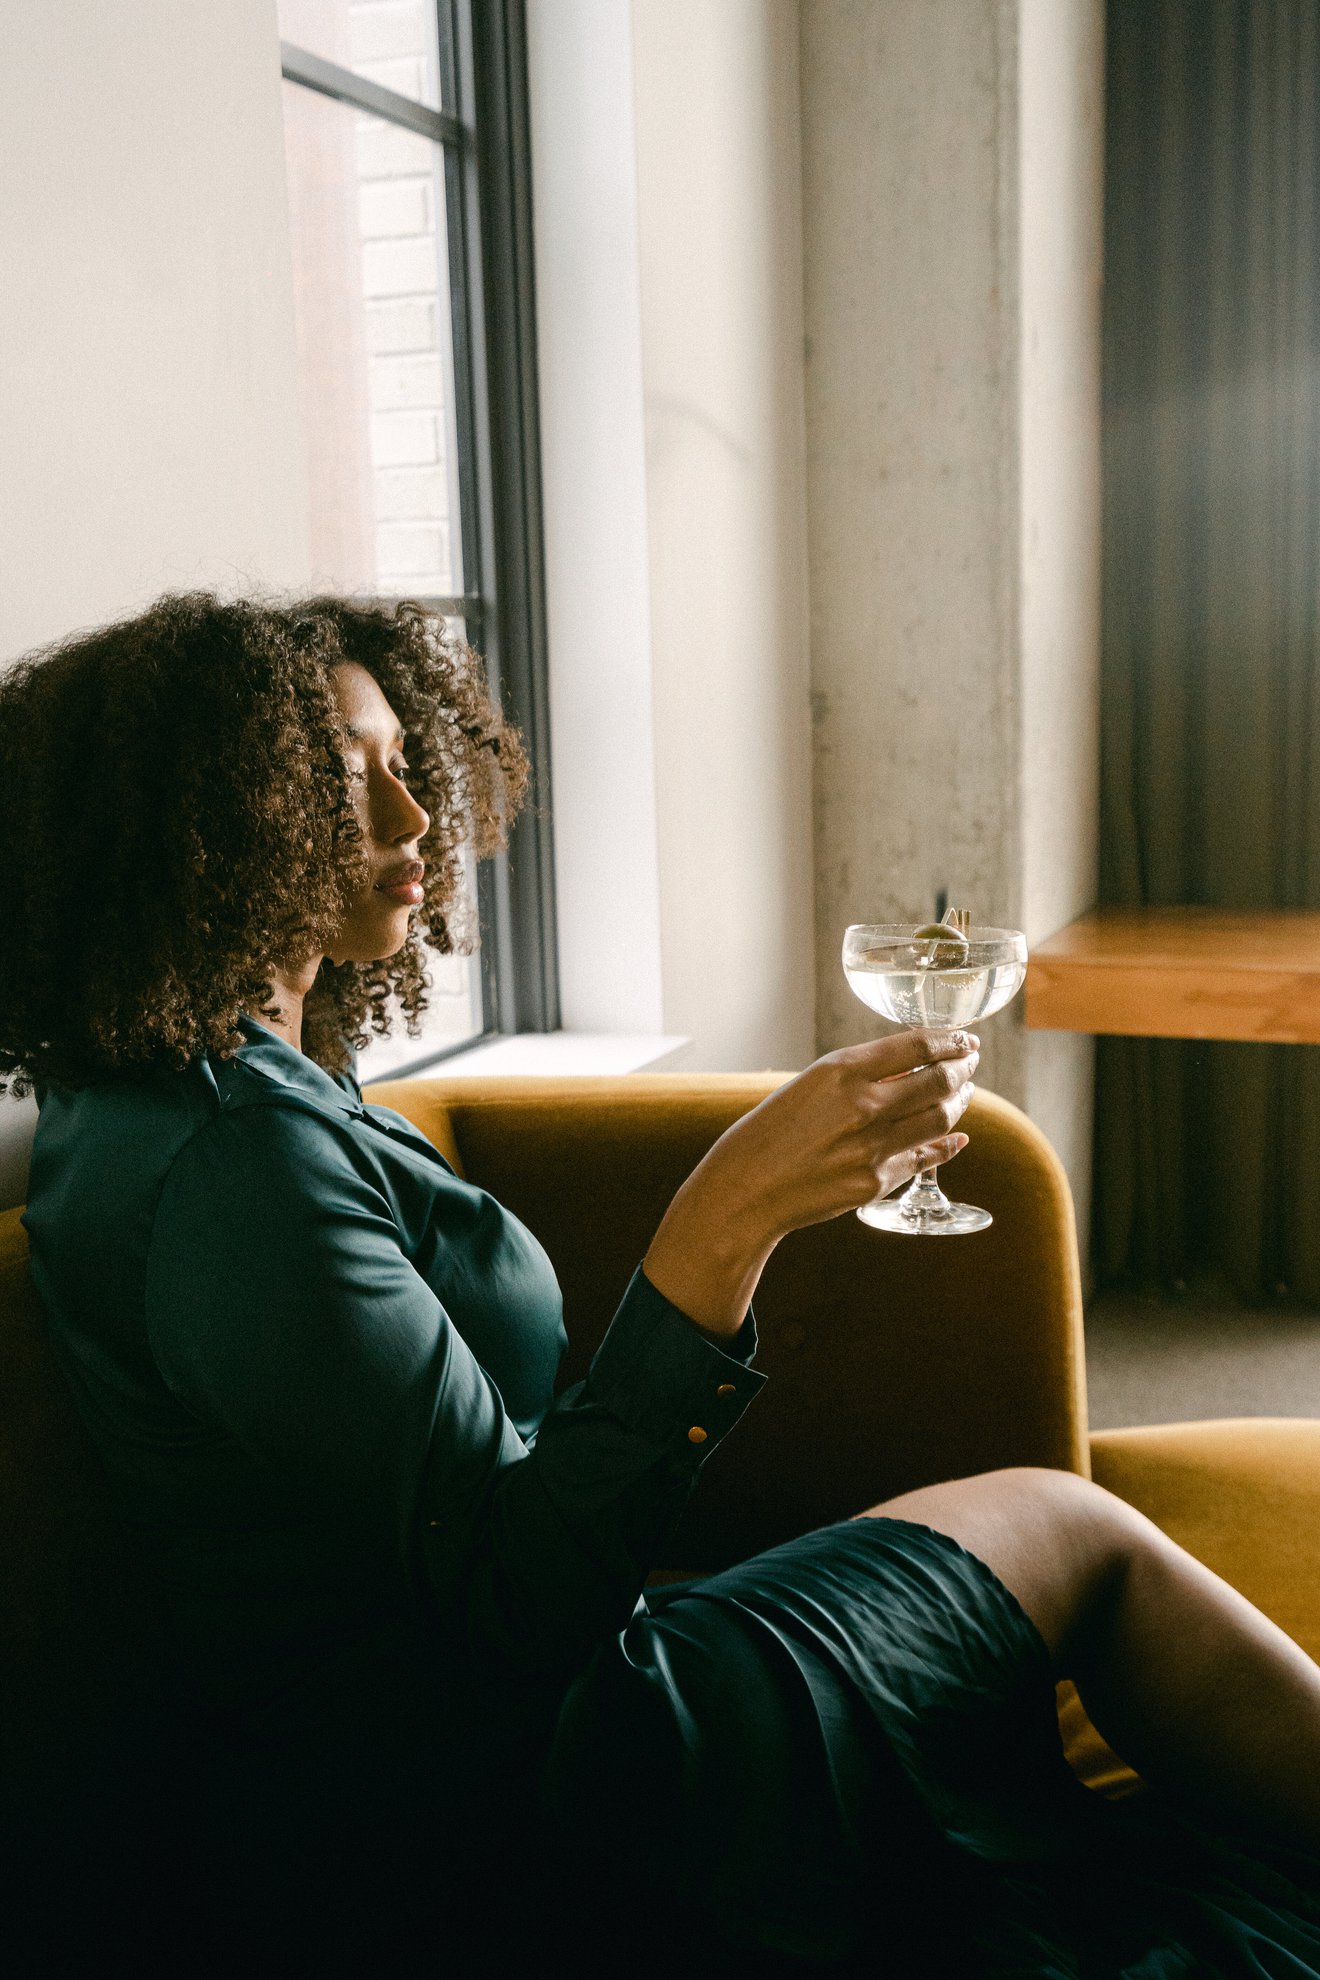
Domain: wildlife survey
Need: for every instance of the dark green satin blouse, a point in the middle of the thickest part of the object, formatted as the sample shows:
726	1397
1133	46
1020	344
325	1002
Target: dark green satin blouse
319	1368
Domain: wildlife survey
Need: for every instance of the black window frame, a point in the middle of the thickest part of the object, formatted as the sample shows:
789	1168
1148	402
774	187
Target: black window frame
484	131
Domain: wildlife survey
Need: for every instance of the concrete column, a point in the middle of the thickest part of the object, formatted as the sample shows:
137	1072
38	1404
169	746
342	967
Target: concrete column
952	209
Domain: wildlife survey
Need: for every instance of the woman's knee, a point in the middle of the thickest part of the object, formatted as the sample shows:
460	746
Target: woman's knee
1058	1542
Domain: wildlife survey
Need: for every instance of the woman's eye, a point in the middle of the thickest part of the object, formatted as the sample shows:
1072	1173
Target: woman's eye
401	770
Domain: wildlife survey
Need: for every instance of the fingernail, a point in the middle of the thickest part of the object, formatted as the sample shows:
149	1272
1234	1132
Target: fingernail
968	1090
976	1060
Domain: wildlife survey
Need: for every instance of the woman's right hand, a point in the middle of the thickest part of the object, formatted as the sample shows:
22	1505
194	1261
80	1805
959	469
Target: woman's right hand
855	1125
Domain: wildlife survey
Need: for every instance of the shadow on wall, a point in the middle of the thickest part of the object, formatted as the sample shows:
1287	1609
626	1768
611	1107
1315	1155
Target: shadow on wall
18	1120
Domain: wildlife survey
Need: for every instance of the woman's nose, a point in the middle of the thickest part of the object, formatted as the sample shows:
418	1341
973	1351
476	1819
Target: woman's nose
408	819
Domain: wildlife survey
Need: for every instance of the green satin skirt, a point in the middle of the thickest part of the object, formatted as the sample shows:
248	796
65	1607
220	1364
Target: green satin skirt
843	1754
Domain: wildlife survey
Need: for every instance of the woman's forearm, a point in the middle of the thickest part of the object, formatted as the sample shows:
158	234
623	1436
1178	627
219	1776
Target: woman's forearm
707	1256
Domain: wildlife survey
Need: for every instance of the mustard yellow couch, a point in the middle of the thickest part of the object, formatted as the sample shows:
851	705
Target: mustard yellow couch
894	1364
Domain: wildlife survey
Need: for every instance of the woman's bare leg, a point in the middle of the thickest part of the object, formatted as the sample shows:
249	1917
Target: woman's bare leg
1191	1685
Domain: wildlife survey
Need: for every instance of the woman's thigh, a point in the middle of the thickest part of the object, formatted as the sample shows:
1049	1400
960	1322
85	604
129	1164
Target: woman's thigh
1055	1540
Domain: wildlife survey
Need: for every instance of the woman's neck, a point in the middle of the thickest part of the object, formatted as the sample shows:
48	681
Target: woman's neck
288	988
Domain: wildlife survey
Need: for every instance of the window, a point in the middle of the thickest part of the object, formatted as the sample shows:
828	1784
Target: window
407	157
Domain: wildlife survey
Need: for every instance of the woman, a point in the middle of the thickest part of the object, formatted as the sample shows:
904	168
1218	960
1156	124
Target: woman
421	1700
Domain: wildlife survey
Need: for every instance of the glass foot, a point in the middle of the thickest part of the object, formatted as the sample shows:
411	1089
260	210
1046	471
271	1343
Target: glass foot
923	1210
953	1220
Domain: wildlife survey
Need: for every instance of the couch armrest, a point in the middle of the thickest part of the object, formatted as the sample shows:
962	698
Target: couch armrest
1242	1494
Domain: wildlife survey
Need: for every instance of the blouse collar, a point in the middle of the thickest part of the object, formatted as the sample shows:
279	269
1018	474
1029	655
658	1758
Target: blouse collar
281	1061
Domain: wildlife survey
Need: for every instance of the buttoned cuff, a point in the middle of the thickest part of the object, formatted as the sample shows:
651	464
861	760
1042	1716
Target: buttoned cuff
658	1372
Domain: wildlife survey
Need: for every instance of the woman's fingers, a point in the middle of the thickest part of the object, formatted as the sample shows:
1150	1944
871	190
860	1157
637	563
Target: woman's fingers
900	1169
932	1153
935	1122
926	1154
907	1138
935	1088
903	1051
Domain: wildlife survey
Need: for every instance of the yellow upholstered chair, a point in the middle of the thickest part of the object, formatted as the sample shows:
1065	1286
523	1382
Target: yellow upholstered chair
894	1365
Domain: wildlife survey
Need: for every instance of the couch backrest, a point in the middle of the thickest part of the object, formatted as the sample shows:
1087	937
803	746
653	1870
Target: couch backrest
894	1361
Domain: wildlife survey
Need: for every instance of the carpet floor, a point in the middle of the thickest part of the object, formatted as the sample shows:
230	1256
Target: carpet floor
1202	1354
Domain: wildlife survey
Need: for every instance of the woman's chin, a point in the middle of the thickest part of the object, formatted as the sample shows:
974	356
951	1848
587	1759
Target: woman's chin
376	947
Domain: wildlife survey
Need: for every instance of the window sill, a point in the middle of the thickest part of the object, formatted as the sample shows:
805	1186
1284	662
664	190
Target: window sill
557	1054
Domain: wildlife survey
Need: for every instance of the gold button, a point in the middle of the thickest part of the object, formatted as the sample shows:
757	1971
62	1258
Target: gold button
696	1435
726	1389
433	1523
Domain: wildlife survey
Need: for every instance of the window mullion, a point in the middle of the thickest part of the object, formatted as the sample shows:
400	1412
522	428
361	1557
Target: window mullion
300	65
490	73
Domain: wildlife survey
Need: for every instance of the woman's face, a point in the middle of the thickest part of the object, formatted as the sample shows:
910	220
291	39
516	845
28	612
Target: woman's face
392	821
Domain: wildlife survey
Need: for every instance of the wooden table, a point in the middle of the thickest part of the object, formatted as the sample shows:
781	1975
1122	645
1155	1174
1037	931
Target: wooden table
1181	973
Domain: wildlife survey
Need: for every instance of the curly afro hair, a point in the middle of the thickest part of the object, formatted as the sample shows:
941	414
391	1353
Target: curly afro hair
177	820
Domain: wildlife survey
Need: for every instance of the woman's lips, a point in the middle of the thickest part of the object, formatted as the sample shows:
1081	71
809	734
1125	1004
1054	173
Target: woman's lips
409	892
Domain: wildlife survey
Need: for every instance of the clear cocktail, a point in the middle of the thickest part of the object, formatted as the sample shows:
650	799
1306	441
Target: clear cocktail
933	977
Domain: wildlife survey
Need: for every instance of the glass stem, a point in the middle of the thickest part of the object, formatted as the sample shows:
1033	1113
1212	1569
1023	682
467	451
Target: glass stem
923	1194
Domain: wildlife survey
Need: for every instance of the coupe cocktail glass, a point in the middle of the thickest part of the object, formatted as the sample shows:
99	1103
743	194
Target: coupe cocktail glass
940	979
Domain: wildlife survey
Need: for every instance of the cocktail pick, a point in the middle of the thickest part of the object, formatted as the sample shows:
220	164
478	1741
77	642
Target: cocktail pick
947	939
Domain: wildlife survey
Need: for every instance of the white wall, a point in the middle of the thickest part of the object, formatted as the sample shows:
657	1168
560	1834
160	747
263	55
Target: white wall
149	423
667	214
149	419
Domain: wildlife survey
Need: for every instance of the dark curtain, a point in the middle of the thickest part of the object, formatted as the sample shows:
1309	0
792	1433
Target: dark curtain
1208	1155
